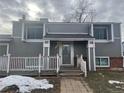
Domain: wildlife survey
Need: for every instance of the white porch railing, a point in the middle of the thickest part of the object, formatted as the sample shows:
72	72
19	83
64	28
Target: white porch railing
82	64
41	63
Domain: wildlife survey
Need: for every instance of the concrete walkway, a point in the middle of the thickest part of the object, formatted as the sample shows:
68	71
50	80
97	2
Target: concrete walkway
74	85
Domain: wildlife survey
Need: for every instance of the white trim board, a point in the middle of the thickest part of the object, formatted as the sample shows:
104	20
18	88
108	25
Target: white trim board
66	33
34	40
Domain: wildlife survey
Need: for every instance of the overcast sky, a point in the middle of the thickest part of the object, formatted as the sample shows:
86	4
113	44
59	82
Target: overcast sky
106	10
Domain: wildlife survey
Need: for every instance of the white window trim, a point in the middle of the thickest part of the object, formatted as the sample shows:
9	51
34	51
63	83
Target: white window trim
104	57
104	40
107	33
34	40
7	51
112	32
31	40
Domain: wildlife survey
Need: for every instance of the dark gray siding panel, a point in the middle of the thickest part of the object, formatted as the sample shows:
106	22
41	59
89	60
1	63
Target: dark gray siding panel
67	28
80	48
116	28
92	59
112	49
19	48
54	48
17	29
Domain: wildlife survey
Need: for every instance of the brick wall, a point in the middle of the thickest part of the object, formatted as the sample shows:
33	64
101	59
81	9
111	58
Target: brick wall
116	62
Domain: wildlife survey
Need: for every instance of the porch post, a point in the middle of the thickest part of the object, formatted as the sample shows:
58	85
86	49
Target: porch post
57	69
91	55
39	67
46	53
89	61
8	64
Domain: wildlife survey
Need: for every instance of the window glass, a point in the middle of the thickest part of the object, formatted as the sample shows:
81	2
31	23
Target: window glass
100	32
98	61
102	62
3	50
34	33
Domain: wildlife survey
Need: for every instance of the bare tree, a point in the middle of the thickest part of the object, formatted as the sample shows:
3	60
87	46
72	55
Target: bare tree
80	12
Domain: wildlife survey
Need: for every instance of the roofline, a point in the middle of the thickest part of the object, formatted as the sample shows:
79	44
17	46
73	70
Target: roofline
84	23
39	21
68	39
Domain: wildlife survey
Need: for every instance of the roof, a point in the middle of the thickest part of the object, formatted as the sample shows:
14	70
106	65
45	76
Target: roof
68	36
5	37
84	22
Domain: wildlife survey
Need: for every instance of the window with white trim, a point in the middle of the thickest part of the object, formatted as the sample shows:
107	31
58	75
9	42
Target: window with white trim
101	32
33	31
3	49
102	62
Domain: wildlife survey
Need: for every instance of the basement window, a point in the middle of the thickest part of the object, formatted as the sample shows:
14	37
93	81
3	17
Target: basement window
102	62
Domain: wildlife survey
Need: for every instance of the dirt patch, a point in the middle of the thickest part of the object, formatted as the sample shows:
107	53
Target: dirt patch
52	80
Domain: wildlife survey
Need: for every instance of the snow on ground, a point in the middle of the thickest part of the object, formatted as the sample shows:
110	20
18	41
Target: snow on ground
25	84
115	82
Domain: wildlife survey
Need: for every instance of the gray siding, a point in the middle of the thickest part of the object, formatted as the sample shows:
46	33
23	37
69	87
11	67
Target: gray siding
111	49
17	29
67	28
54	48
108	26
116	30
19	48
80	47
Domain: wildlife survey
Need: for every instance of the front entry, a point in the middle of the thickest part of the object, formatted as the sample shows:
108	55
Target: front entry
67	53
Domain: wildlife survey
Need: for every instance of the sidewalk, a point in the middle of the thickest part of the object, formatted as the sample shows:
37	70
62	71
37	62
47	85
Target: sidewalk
74	85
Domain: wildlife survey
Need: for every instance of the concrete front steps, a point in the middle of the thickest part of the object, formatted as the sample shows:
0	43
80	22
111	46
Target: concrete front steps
71	73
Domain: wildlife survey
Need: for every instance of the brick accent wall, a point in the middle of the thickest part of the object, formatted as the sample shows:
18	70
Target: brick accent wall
116	63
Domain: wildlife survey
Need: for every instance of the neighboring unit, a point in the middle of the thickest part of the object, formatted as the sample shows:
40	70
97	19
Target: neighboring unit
34	45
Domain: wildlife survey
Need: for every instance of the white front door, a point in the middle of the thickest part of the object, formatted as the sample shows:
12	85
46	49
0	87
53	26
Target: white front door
67	53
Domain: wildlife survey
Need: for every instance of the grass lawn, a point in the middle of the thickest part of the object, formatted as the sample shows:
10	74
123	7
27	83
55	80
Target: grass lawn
98	81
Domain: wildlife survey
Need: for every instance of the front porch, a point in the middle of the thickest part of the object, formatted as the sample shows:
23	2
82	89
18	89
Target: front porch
35	66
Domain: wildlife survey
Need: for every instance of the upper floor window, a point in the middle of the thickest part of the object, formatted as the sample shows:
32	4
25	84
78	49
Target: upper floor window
33	31
101	32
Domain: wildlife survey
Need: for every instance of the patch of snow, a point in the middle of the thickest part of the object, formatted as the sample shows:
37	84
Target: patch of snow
115	82
25	84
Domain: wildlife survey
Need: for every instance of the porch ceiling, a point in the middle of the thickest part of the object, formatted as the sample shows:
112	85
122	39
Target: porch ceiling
68	36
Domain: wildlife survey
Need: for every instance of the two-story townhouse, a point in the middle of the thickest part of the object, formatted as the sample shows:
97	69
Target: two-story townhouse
98	42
